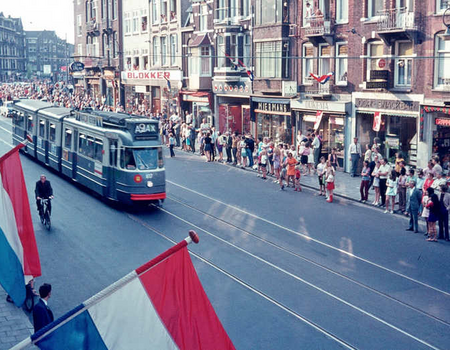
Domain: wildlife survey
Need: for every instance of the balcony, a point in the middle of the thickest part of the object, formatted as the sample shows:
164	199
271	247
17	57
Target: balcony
319	91
319	29
396	24
92	28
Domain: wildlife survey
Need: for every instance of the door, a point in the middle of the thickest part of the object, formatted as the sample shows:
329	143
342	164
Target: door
75	155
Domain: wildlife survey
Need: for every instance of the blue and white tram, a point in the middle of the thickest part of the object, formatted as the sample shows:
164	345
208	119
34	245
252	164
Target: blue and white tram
114	154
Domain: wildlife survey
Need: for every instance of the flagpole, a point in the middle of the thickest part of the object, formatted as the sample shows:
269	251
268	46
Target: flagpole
18	147
193	237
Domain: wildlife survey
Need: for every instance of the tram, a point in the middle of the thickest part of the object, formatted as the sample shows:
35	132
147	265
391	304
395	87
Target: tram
116	155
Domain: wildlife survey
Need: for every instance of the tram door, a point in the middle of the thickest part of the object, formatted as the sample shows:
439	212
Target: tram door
75	154
113	153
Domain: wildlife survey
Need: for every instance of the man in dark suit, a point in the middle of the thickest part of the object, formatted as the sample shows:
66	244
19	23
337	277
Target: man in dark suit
415	198
229	146
43	190
42	315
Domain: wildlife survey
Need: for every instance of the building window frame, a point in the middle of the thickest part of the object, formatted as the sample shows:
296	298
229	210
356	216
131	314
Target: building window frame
372	10
164	50
445	54
155	47
173	49
341	77
307	62
323	58
271	59
406	62
205	61
203	18
341	11
370	57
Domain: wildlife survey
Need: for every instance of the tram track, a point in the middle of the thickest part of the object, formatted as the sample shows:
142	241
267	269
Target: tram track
289	274
310	261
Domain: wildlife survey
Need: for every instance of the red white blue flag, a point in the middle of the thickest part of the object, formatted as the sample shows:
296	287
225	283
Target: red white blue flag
323	79
19	258
161	305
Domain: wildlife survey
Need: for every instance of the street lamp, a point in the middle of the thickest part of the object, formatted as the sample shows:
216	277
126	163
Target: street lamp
446	21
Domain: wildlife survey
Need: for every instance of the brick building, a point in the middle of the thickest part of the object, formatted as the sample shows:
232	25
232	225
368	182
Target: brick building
12	49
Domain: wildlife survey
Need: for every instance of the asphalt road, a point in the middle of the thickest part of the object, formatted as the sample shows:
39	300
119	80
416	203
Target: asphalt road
283	270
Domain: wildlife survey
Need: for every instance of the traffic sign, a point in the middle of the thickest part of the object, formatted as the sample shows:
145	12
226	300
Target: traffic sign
381	63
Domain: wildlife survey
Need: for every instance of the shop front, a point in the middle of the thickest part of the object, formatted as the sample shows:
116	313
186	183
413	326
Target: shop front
328	118
392	124
155	91
232	102
199	104
273	119
435	129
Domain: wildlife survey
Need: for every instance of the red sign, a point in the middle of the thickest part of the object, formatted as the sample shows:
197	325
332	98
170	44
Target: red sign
381	63
376	121
151	75
442	121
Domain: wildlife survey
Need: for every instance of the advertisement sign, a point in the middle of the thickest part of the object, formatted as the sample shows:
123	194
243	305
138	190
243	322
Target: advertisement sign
393	142
162	75
442	121
47	69
376	121
319	115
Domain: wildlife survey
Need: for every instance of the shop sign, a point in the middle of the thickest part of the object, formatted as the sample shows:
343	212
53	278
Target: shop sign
76	66
321	105
379	74
376	85
232	89
393	142
442	121
140	89
394	105
131	76
289	88
273	107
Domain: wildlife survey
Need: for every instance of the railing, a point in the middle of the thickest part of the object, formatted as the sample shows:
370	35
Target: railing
91	26
396	19
317	25
318	89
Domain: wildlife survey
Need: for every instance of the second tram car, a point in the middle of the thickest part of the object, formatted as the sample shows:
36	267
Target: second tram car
117	155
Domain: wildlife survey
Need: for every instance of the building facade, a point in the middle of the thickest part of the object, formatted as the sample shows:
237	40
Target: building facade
12	49
47	55
98	46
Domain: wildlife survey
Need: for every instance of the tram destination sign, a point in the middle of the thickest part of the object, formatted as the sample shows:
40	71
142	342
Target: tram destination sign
143	129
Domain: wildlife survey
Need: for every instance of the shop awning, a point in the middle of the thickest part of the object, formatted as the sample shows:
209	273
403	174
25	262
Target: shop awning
196	96
201	40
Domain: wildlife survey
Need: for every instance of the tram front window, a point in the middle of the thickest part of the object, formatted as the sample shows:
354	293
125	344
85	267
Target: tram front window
139	158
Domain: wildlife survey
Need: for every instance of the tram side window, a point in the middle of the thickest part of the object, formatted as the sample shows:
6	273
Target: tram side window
127	159
99	150
30	124
52	136
68	138
42	128
19	120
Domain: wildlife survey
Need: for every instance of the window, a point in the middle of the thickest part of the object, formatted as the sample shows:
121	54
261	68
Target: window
341	63
173	9
442	5
203	17
193	61
269	11
341	11
127	22
80	49
135	21
79	26
233	48
247	50
221	59
144	20
374	7
324	59
164	10
95	46
140	158
442	64
205	61
115	9
68	138
105	44
115	44
164	50
403	65
155	12
308	54
173	49
245	11
221	10
104	8
98	150
30	124
270	59
52	136
42	128
86	146
375	52
233	9
155	50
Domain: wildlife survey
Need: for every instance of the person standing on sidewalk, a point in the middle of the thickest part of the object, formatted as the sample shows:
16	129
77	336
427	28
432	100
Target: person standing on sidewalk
192	138
316	147
228	147
42	315
365	179
391	192
250	149
402	186
435	209
355	154
415	199
444	199
171	145
383	173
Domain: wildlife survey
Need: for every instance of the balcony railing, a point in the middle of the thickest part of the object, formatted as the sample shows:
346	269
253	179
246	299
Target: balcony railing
399	19
319	90
317	25
91	26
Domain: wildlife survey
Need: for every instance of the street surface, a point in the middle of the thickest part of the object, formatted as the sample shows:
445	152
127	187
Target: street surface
283	270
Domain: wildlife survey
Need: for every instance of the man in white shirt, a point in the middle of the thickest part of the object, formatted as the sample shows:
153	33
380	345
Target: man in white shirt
383	174
316	146
355	154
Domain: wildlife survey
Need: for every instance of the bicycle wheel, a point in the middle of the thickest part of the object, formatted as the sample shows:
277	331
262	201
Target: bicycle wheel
48	223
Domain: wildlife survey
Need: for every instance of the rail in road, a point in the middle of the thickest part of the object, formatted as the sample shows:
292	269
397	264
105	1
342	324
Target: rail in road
367	306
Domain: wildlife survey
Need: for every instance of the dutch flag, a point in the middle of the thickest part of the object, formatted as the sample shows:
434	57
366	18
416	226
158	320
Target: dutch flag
323	79
19	258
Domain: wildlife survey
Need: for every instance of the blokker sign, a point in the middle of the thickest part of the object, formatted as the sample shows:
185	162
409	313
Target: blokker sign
136	75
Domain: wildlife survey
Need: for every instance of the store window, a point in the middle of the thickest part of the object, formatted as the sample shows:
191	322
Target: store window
403	64
276	127
375	52
441	139
442	63
397	134
341	63
308	54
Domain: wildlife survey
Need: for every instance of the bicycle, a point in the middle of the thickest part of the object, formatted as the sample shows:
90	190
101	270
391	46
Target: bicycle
45	213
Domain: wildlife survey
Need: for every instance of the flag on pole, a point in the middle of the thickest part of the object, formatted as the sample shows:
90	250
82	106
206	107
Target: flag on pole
169	87
319	115
376	121
323	79
19	258
161	305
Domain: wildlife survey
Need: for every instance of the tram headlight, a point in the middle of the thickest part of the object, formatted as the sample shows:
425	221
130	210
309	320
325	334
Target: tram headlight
149	184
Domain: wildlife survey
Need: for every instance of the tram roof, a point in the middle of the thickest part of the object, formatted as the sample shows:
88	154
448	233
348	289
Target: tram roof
56	112
33	105
117	119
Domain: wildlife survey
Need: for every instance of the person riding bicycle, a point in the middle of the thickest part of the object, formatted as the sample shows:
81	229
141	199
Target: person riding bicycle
43	190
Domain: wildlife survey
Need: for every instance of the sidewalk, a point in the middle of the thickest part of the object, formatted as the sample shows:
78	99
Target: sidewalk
14	324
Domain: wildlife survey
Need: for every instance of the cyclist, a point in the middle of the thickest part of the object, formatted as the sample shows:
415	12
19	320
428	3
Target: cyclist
43	190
